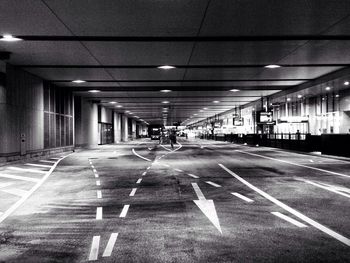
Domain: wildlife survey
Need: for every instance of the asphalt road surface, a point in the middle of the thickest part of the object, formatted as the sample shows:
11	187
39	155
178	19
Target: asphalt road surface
202	201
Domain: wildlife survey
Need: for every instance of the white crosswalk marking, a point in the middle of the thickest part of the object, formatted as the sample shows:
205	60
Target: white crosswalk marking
94	248
38	165
18	177
3	185
14	191
26	170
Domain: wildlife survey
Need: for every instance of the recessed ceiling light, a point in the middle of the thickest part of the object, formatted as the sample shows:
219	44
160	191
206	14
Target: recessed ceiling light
205	108
10	38
346	83
166	67
300	96
288	99
165	102
216	101
94	91
337	95
195	114
234	90
119	106
201	111
112	102
272	66
136	116
166	90
328	88
127	111
78	81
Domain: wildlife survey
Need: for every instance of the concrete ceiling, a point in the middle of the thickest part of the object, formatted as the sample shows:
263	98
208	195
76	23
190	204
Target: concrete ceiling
216	45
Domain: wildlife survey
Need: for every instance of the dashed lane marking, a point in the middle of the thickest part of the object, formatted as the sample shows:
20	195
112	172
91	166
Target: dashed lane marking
213	184
99	194
46	161
14	191
331	189
133	191
94	170
110	245
178	170
96	175
99	213
243	197
38	165
306	219
94	248
149	167
139	180
93	167
296	164
26	170
124	211
18	177
289	219
144	173
98	182
193	176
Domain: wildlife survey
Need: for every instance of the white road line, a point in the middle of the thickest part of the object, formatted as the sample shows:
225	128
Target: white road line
94	170
144	173
243	197
29	193
99	194
98	182
165	147
110	245
300	165
26	170
18	177
94	248
124	211
99	213
3	185
194	176
96	175
338	188
46	161
306	219
38	165
139	180
311	161
198	191
144	158
178	170
14	191
133	191
289	219
167	165
213	184
55	158
325	187
149	167
93	167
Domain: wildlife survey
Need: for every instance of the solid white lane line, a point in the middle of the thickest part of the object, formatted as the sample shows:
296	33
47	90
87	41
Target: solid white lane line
94	248
96	175
296	164
14	191
110	245
213	184
3	185
99	194
99	213
243	197
124	211
144	173
144	158
18	177
289	219
325	187
198	191
306	219
133	191
29	193
178	170
26	170
194	176
46	161
139	180
38	165
338	188
98	182
55	158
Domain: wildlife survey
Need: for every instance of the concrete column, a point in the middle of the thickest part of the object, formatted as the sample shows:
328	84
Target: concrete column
124	128
133	129
117	122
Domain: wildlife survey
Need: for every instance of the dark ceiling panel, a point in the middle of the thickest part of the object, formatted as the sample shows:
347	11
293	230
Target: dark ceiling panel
297	72
272	17
224	73
125	17
153	73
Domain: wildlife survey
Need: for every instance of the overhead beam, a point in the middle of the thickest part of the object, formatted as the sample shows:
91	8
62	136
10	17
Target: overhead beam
176	88
181	80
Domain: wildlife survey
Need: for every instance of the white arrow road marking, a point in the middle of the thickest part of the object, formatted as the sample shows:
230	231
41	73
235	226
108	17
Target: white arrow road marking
110	245
14	191
26	170
289	219
243	197
213	184
306	219
207	207
94	248
18	177
124	211
325	187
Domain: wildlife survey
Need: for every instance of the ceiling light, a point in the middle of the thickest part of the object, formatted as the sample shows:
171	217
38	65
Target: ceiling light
272	66
337	96
112	102
205	108
201	111
165	90
216	101
288	99
136	116
94	91
195	114
234	90
78	81
127	111
9	38
346	83
166	67
300	96
165	102
119	106
328	88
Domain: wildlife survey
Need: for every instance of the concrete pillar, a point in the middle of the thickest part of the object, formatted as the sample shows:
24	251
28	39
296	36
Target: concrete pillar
133	129
117	127
124	128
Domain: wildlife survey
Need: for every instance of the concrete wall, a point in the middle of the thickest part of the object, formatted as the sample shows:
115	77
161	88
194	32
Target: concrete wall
106	115
21	112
